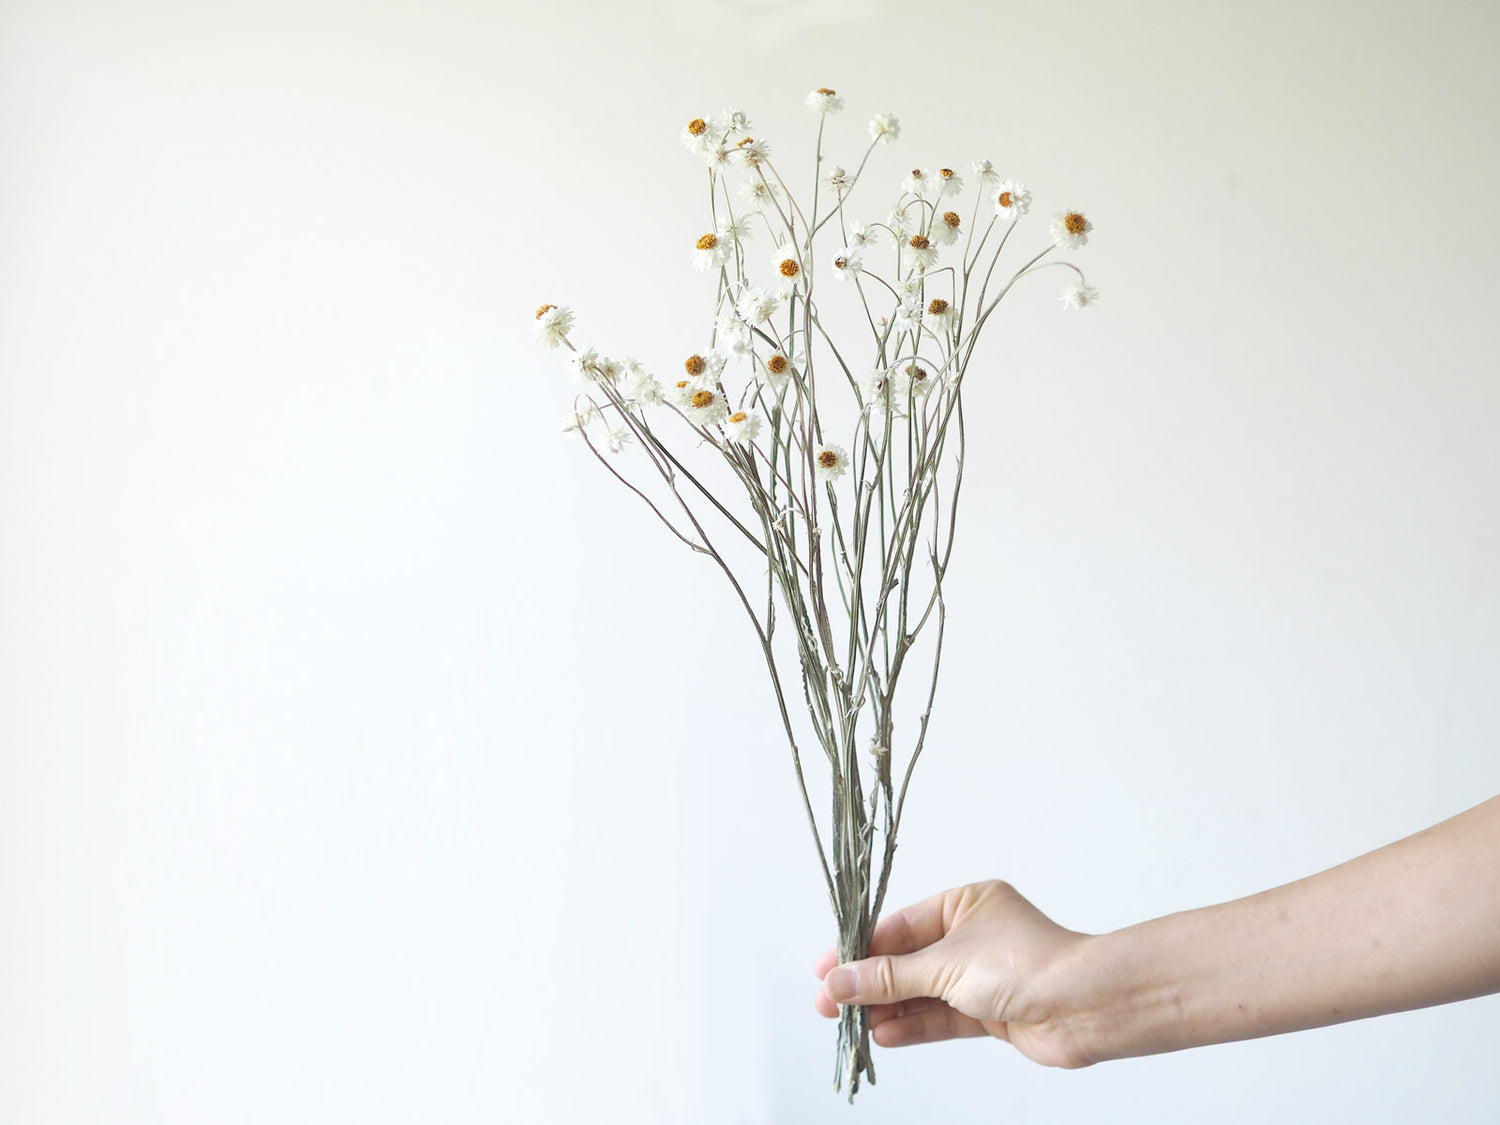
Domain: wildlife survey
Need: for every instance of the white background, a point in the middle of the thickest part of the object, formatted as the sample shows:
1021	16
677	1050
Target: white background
366	756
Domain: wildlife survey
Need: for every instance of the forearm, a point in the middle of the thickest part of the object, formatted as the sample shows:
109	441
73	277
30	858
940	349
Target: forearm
1413	924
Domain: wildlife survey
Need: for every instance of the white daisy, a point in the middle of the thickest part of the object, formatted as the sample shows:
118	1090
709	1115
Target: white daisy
616	438
908	315
985	173
885	128
838	180
756	306
909	288
1079	295
705	369
951	182
700	401
719	155
743	426
940	315
578	420
732	121
1012	200
588	366
921	252
731	335
861	235
922	184
735	230
774	371
698	136
711	252
759	192
945	228
830	463
899	224
881	390
752	153
847	264
1070	229
824	101
553	323
917	379
639	387
787	266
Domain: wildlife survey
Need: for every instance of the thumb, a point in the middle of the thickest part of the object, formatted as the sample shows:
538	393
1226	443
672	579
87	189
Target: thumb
884	980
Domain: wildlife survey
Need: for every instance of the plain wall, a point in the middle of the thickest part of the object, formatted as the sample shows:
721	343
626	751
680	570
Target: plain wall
366	755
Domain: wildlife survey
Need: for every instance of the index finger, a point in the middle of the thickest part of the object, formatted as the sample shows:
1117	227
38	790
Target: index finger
913	928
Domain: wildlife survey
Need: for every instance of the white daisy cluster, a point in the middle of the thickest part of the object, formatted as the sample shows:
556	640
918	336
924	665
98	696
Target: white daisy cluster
725	141
916	257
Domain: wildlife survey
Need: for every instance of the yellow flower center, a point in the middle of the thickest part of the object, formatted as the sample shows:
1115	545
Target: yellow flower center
1005	199
919	242
1075	222
697	126
828	458
952	219
746	141
708	242
696	365
826	92
938	306
703	398
946	173
682	385
789	267
738	416
776	364
541	312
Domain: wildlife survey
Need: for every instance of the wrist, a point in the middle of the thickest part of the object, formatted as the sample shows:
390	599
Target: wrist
1122	994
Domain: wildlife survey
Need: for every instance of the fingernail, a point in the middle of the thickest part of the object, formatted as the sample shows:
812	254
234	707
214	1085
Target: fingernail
841	984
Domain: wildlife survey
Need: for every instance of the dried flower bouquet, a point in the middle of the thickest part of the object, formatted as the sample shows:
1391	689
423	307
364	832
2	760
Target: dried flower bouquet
856	534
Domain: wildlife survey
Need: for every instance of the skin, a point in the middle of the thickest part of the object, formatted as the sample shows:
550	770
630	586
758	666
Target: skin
1413	924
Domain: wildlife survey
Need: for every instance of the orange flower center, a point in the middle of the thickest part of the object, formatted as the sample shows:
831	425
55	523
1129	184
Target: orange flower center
1075	222
919	242
541	312
952	219
789	267
1005	199
738	416
703	398
697	126
938	306
946	173
708	242
776	364
826	92
828	458
696	365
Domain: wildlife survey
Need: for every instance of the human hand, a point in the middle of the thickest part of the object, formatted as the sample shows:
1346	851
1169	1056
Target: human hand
976	960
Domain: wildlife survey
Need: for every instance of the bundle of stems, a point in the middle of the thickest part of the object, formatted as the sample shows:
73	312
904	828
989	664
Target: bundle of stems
854	567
